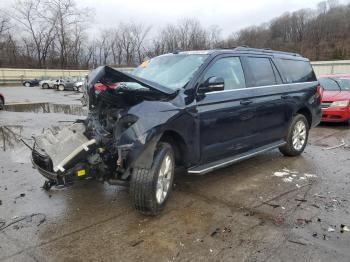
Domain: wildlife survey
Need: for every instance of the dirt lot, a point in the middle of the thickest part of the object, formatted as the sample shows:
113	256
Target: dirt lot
269	208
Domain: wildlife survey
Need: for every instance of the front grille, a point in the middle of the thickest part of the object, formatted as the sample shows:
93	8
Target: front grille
326	104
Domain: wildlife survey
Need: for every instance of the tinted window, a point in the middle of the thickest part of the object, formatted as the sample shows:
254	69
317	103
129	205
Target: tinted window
230	69
297	71
329	84
262	71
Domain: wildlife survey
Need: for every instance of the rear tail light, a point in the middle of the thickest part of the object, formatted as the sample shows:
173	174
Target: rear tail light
320	92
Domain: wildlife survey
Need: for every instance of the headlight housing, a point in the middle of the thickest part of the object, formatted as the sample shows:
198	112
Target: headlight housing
340	103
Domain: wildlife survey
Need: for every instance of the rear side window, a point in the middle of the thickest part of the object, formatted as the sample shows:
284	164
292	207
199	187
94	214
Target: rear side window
297	71
262	71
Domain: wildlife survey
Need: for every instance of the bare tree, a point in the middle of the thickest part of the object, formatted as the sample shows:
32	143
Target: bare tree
39	29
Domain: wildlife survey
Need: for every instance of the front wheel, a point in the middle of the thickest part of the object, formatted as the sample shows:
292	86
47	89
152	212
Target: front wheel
2	104
296	137
45	86
150	188
27	84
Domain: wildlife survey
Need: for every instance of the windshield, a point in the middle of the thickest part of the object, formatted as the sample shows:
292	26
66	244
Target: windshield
344	83
173	70
329	84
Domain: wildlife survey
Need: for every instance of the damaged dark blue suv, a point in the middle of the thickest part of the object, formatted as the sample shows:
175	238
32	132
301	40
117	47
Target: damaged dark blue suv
199	110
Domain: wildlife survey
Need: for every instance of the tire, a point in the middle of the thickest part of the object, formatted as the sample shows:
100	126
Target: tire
60	88
45	86
297	136
27	84
2	104
80	89
146	186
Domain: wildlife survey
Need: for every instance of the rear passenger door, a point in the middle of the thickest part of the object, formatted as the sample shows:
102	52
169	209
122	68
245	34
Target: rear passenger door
226	118
271	111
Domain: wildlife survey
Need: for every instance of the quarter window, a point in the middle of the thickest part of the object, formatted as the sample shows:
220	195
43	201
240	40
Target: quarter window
262	71
230	69
297	71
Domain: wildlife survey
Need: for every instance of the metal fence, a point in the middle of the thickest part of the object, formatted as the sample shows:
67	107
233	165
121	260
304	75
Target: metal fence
17	76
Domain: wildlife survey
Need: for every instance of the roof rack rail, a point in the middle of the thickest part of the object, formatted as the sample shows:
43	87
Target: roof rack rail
264	50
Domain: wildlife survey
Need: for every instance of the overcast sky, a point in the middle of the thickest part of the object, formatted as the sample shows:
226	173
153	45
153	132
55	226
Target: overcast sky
229	15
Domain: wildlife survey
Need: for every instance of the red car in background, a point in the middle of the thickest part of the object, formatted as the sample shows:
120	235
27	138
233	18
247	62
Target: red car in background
2	102
336	98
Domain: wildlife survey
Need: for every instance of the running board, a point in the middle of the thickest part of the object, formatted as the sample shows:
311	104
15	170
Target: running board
206	168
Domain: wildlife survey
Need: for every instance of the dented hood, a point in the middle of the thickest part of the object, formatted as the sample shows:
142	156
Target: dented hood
104	73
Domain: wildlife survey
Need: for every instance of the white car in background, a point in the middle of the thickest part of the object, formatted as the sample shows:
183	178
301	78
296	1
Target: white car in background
48	83
78	86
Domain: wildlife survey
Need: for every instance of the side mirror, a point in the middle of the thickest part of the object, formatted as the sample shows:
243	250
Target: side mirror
212	84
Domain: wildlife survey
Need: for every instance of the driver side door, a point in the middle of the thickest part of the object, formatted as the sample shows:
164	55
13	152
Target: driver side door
227	117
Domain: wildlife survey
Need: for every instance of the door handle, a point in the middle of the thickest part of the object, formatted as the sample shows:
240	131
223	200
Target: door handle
285	96
246	102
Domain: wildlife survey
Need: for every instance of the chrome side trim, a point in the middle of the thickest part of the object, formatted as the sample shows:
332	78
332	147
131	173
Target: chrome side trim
260	87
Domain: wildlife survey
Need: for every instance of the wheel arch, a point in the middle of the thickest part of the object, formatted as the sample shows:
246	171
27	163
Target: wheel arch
179	146
307	113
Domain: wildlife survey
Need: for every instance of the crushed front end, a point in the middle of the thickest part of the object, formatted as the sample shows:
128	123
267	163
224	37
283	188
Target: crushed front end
109	141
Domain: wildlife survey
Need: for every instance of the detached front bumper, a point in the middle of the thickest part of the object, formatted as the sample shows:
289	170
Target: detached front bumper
43	163
336	114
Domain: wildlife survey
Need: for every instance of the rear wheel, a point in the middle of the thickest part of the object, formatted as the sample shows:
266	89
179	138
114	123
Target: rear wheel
150	188
45	86
60	88
2	104
27	84
297	136
80	89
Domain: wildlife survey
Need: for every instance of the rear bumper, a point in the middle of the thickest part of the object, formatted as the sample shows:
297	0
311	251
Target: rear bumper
336	114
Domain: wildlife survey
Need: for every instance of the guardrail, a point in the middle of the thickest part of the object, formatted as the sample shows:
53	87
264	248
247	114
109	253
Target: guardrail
17	76
331	67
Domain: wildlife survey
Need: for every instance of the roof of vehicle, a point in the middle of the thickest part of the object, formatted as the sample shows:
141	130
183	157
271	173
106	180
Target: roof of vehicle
239	49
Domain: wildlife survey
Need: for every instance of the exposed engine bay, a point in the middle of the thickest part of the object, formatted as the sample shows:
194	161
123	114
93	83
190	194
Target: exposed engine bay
98	146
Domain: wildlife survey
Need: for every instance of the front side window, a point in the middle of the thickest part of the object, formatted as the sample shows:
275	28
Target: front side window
230	69
262	71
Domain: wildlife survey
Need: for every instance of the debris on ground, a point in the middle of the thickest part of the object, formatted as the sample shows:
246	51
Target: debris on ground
344	228
279	220
303	221
330	229
297	242
300	200
217	230
136	242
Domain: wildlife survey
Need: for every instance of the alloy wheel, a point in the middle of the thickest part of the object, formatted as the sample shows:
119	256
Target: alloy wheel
164	179
299	135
